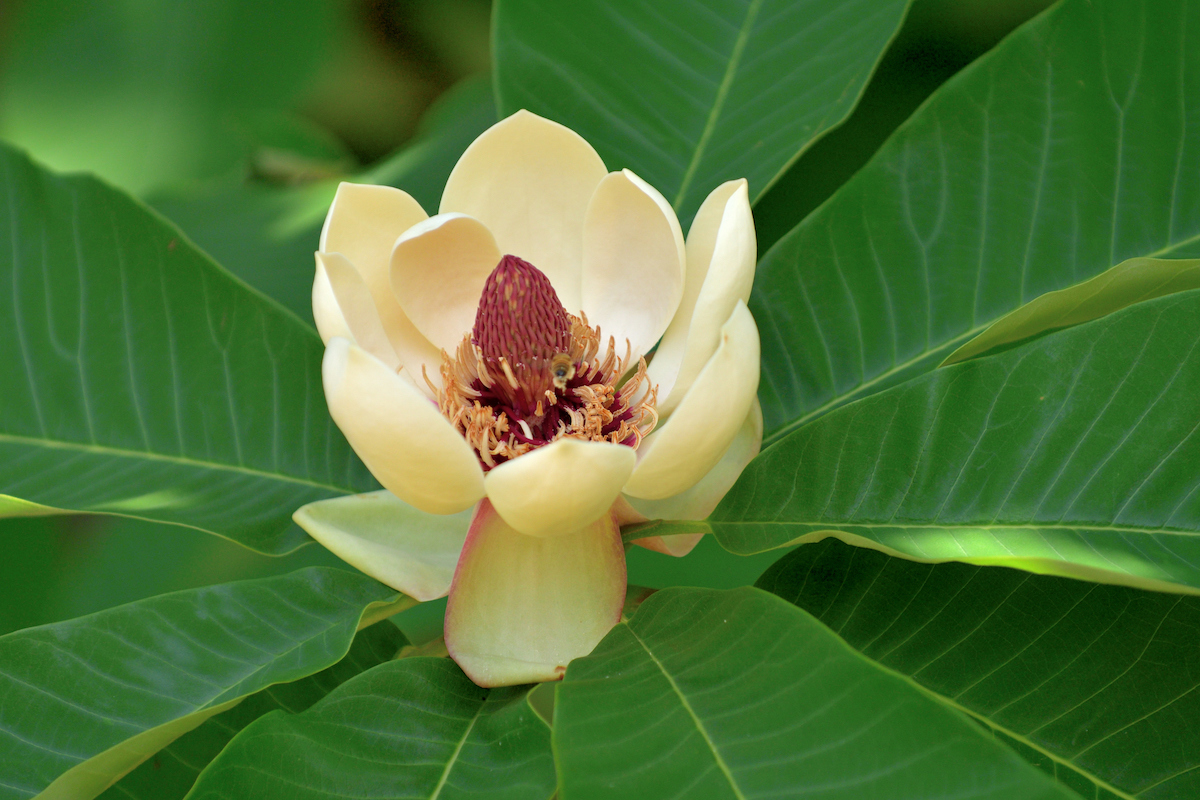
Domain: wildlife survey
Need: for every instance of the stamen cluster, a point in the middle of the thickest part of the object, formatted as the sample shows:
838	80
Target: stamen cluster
530	373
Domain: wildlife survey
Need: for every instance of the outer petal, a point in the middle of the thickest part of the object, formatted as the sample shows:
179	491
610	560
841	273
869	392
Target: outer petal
529	181
707	419
521	607
398	433
633	261
363	224
721	252
438	270
700	500
560	487
353	310
409	550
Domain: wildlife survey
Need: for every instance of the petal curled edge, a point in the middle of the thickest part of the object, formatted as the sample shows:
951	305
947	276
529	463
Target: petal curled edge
404	547
348	311
363	224
560	487
398	432
700	500
438	269
522	607
708	418
721	253
633	262
529	181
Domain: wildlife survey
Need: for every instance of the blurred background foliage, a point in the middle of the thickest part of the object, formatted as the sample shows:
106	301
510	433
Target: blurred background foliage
236	120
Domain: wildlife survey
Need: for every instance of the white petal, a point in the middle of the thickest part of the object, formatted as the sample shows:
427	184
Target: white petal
399	433
700	500
353	306
529	181
633	262
708	418
404	547
522	607
721	253
439	267
363	224
560	487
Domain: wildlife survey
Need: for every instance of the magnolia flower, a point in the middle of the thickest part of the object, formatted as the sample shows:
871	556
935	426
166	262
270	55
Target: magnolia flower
492	367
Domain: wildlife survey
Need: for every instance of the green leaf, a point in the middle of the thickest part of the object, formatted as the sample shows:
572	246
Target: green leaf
1096	683
170	773
687	96
146	381
88	699
1127	283
416	727
1073	454
738	694
1062	152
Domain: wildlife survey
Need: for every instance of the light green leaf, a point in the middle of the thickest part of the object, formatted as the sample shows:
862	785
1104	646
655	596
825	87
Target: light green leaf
170	773
416	727
88	699
1097	684
1074	454
1127	283
1064	151
145	381
738	694
690	96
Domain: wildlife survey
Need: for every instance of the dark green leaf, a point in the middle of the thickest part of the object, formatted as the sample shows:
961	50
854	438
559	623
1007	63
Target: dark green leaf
1065	150
1097	683
146	381
1074	454
411	728
170	773
737	695
689	96
88	699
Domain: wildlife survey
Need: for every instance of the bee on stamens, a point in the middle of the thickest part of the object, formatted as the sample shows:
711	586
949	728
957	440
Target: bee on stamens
562	370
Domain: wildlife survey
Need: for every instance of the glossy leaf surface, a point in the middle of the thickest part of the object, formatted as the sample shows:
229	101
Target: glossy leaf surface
88	699
738	695
689	96
416	727
1064	151
1073	454
1098	684
146	381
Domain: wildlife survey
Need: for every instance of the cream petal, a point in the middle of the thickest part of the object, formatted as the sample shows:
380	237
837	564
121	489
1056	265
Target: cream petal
326	311
721	253
560	487
677	545
700	500
363	224
633	262
353	305
438	268
529	181
404	547
708	418
398	432
522	607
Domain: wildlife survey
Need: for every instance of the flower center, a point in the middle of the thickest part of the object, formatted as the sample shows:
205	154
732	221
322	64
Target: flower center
529	373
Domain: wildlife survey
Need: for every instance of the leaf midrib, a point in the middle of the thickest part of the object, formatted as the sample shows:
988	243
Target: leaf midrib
106	450
958	526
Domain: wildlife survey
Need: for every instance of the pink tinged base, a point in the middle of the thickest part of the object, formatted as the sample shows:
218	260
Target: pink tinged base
522	607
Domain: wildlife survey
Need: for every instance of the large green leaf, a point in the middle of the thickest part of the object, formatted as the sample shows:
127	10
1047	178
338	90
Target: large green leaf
692	95
1096	683
88	699
411	728
738	694
144	380
170	773
1073	454
1065	150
